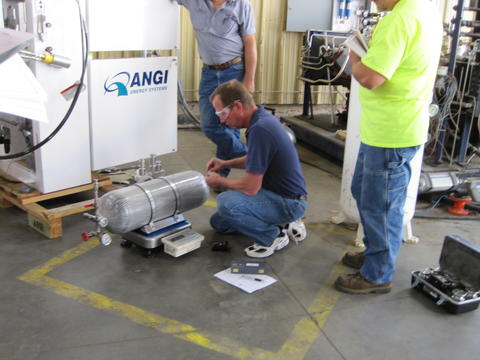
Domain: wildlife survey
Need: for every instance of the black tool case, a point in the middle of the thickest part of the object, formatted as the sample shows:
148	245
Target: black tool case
455	285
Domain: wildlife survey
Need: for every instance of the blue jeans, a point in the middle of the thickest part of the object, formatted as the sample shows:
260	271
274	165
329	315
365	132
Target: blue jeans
257	216
379	186
227	140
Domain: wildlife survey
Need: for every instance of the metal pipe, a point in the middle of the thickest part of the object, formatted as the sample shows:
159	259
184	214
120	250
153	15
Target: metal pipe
451	69
470	34
332	105
48	58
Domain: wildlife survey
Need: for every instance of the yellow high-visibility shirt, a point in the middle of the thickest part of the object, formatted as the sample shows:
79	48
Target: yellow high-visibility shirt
405	49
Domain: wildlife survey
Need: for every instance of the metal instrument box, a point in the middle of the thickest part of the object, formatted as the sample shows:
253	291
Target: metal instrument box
455	285
182	242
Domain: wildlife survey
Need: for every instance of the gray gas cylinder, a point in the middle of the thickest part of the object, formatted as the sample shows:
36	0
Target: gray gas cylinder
140	204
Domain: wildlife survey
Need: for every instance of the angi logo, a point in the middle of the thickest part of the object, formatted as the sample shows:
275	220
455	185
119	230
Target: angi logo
124	84
116	84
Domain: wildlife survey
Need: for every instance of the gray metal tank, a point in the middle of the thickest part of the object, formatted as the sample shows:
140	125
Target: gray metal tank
290	133
140	204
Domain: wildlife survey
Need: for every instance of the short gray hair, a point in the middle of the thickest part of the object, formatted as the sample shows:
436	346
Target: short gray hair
232	91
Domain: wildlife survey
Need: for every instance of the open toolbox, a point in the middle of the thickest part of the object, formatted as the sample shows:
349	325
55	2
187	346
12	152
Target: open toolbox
455	284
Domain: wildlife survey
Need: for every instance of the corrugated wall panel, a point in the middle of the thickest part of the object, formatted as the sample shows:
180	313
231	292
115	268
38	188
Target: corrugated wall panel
278	56
189	62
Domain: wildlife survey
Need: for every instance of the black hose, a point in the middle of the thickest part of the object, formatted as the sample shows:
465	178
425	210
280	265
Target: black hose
75	97
321	168
185	107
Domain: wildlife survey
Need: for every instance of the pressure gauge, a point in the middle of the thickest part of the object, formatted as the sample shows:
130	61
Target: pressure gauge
433	110
105	239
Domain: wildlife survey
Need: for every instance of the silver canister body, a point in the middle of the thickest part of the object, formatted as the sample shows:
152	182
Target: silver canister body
140	204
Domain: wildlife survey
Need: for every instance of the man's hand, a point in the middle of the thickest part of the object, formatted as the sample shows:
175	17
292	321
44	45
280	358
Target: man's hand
215	165
249	85
213	179
365	76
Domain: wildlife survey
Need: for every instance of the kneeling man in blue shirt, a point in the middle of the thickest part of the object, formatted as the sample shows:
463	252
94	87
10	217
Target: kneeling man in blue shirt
267	203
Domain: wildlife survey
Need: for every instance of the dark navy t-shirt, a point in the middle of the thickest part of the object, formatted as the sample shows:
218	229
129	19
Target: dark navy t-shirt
272	153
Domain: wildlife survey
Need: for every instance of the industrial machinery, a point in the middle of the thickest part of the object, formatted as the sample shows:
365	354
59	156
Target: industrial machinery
324	67
453	134
107	109
453	108
103	109
149	214
452	150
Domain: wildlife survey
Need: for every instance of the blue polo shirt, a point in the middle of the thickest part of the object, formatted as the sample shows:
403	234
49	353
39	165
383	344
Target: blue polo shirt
219	33
272	153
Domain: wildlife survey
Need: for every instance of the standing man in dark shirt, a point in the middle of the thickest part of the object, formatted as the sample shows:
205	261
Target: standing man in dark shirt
266	204
225	31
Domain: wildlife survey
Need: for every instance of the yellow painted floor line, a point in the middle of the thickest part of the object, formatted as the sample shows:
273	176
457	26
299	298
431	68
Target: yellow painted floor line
306	331
331	228
149	319
59	260
295	348
210	203
37	276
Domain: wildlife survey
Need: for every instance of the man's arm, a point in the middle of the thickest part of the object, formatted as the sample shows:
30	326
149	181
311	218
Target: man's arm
250	184
216	164
237	163
366	77
250	46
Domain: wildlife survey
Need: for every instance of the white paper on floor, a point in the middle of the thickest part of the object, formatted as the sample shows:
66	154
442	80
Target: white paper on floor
247	282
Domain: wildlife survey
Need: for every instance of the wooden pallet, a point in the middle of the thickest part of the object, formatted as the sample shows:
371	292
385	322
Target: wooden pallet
46	221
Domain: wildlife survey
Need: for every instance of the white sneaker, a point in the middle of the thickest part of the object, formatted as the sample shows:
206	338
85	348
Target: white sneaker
296	231
260	251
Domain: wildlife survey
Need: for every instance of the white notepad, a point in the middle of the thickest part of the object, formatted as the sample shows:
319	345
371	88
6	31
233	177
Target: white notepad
357	43
247	282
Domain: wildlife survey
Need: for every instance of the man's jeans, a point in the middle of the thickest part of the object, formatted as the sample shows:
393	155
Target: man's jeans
227	140
379	186
257	216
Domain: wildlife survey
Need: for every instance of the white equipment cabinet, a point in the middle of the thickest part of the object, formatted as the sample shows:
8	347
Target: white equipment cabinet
127	110
117	25
64	161
128	127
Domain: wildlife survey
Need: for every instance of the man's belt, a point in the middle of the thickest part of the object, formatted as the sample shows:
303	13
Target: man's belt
299	197
225	65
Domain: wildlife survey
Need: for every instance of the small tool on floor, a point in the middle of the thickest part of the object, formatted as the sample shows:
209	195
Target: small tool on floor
220	246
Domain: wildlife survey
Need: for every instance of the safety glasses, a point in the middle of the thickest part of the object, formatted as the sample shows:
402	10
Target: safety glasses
222	114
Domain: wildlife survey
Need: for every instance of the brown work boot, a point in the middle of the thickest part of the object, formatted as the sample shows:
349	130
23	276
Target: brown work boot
356	284
354	259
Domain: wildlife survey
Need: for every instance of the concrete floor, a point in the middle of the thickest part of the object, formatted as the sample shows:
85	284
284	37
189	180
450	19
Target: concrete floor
65	299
